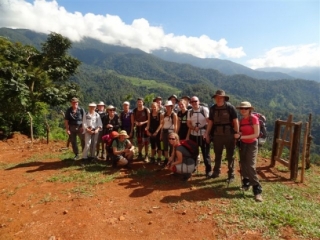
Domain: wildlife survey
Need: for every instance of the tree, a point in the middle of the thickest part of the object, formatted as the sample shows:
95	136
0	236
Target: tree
33	81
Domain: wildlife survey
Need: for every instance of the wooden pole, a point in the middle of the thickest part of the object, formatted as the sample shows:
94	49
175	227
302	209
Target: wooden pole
47	128
308	144
303	157
276	135
295	151
31	127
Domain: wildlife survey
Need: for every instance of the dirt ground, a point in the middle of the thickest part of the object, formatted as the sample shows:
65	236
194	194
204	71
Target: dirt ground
130	206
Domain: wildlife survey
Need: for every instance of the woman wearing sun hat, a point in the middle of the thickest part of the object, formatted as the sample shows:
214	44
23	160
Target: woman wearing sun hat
91	126
248	137
123	150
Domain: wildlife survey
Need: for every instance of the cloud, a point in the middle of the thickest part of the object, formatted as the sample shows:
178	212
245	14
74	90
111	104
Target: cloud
289	57
47	16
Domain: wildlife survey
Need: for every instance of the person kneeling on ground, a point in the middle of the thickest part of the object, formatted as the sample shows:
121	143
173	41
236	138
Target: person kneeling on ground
123	150
180	160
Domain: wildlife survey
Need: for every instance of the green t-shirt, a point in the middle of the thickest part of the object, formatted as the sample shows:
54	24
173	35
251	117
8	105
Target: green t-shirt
120	145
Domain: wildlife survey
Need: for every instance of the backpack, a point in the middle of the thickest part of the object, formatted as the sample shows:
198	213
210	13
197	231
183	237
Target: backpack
262	124
263	129
192	147
188	167
229	109
108	139
201	111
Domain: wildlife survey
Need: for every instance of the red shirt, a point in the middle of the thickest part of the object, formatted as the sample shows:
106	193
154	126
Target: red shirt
246	127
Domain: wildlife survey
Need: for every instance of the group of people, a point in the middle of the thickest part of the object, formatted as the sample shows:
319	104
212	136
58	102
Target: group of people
163	126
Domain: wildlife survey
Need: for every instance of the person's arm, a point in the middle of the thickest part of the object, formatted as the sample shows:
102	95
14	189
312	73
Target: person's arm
132	125
175	128
161	123
178	124
178	159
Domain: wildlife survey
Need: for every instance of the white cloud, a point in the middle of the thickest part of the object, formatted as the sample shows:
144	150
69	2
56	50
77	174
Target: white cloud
48	16
289	57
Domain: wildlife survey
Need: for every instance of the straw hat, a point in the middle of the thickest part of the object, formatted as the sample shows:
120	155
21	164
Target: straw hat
245	104
123	133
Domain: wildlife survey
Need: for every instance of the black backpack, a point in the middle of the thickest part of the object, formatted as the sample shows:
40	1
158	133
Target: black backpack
192	147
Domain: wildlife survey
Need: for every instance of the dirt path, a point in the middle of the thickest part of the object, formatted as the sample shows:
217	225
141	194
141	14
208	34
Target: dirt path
39	201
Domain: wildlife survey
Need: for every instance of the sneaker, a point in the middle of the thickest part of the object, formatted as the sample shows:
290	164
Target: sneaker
146	159
258	198
158	161
76	157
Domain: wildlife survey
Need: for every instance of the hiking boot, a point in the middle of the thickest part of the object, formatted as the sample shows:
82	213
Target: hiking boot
164	164
215	175
152	160
230	179
139	156
159	161
76	157
102	155
186	177
258	198
245	184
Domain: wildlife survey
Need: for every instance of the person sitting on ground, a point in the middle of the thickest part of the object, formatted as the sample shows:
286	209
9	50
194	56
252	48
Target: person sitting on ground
180	160
248	137
123	150
102	112
153	130
169	125
91	126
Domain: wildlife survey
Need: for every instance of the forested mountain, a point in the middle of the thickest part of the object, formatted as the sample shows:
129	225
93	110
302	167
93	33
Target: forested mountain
114	74
309	73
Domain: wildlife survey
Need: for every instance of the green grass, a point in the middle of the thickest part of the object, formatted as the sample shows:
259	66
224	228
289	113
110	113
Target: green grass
293	206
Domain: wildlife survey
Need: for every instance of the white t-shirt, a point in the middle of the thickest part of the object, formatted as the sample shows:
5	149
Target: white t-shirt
198	120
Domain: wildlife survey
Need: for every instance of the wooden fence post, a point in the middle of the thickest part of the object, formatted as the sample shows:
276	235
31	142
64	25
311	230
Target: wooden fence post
303	157
276	135
308	144
294	161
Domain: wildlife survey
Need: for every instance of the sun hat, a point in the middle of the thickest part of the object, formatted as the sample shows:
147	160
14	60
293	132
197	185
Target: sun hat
74	99
92	104
221	93
123	133
111	107
173	96
168	103
245	104
125	103
101	104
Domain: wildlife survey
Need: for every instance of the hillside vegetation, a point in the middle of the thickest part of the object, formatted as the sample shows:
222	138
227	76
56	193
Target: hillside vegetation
114	74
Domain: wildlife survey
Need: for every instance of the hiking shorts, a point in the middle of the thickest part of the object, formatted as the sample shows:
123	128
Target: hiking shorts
141	133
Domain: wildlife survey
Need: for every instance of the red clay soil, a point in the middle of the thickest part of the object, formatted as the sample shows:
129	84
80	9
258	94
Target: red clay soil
157	207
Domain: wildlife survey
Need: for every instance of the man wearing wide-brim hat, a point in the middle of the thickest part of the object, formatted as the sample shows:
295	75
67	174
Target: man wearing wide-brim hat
102	112
111	121
223	124
123	150
73	123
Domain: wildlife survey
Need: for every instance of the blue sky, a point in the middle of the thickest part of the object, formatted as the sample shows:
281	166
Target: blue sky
282	33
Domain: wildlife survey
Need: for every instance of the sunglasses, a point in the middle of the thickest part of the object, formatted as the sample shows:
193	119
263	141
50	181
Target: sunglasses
172	139
244	108
193	101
